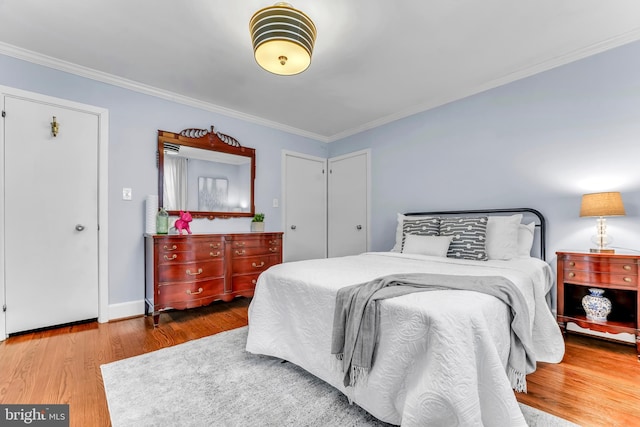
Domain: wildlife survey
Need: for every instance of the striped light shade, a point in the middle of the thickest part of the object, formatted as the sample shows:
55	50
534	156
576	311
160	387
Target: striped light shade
283	39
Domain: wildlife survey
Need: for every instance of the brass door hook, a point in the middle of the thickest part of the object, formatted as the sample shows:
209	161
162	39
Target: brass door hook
55	127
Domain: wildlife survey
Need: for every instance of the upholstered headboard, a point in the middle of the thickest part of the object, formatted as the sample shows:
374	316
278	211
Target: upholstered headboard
529	215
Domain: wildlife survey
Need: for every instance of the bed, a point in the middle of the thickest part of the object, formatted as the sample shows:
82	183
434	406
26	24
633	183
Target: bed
440	356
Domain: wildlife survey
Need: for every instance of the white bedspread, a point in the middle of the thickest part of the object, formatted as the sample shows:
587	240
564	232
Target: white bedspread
441	355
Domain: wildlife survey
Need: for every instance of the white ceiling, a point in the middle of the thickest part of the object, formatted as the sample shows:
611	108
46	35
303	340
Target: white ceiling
375	61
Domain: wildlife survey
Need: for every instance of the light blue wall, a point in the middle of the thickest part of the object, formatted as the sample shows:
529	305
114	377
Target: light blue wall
134	121
540	142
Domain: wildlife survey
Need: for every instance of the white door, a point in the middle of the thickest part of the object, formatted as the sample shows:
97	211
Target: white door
305	207
50	214
348	218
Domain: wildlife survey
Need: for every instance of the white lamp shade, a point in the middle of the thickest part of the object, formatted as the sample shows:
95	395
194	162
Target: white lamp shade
268	56
602	204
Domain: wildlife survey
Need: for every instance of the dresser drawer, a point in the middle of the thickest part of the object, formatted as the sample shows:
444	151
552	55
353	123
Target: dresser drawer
253	242
185	292
190	271
595	279
274	242
253	264
182	244
171	253
255	250
244	282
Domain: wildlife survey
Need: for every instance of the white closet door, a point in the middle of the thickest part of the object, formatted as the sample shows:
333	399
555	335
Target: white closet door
305	207
51	215
348	204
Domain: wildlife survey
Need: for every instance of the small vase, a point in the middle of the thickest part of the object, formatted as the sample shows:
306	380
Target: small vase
596	305
162	222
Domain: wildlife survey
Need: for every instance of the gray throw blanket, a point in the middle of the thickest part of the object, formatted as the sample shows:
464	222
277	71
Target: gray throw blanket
356	313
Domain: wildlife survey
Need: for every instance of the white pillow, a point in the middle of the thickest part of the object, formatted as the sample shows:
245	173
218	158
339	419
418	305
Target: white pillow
426	245
502	236
401	217
525	239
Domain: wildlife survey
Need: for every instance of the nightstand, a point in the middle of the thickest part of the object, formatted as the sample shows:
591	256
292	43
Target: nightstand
617	274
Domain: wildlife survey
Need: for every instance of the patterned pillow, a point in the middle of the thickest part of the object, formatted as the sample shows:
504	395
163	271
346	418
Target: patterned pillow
469	237
421	227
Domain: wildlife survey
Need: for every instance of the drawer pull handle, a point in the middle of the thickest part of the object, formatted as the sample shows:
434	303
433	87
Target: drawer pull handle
194	274
572	274
214	255
172	248
572	264
169	258
239	244
240	252
627	279
627	267
256	265
254	281
273	249
214	245
199	291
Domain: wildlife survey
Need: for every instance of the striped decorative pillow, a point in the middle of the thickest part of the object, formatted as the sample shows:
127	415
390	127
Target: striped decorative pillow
469	237
421	227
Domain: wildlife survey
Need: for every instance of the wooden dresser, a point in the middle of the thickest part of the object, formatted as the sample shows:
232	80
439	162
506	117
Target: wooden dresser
616	274
187	271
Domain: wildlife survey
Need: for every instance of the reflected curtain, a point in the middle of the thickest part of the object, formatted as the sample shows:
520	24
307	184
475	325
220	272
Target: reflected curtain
175	183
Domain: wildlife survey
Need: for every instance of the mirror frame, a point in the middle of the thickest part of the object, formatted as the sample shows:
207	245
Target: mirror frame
206	140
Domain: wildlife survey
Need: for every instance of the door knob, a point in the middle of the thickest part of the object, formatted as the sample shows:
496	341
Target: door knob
359	227
79	227
293	227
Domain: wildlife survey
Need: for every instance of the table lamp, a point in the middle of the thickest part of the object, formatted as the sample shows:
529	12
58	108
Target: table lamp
601	205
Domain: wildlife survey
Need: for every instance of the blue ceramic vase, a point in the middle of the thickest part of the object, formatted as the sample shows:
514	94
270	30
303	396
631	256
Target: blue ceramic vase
596	305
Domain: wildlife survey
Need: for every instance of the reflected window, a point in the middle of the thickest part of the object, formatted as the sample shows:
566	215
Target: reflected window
175	182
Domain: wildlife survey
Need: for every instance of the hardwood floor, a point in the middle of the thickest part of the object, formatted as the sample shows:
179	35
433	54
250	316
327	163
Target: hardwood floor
597	384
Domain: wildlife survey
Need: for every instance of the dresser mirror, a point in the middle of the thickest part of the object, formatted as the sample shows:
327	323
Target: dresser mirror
206	173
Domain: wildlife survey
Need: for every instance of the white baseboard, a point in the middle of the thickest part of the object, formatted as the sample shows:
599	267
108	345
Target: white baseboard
126	309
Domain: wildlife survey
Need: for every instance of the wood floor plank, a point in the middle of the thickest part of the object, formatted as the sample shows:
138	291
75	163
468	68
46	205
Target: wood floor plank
597	384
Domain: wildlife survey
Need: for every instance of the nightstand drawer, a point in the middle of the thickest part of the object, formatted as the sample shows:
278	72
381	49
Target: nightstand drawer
595	279
620	266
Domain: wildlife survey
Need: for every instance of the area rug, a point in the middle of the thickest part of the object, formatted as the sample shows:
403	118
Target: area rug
213	381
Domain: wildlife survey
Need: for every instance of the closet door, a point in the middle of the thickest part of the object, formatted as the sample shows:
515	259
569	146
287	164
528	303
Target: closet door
348	204
51	215
305	207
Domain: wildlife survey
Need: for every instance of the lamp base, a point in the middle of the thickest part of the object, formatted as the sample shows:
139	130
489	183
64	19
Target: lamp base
602	251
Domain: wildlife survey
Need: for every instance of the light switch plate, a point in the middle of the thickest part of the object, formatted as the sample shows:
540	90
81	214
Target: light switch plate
126	194
275	203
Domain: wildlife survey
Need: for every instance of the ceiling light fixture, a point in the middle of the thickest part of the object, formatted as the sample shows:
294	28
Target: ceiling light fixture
282	38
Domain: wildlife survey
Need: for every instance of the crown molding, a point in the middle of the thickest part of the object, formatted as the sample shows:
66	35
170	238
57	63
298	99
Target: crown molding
622	39
100	76
90	73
